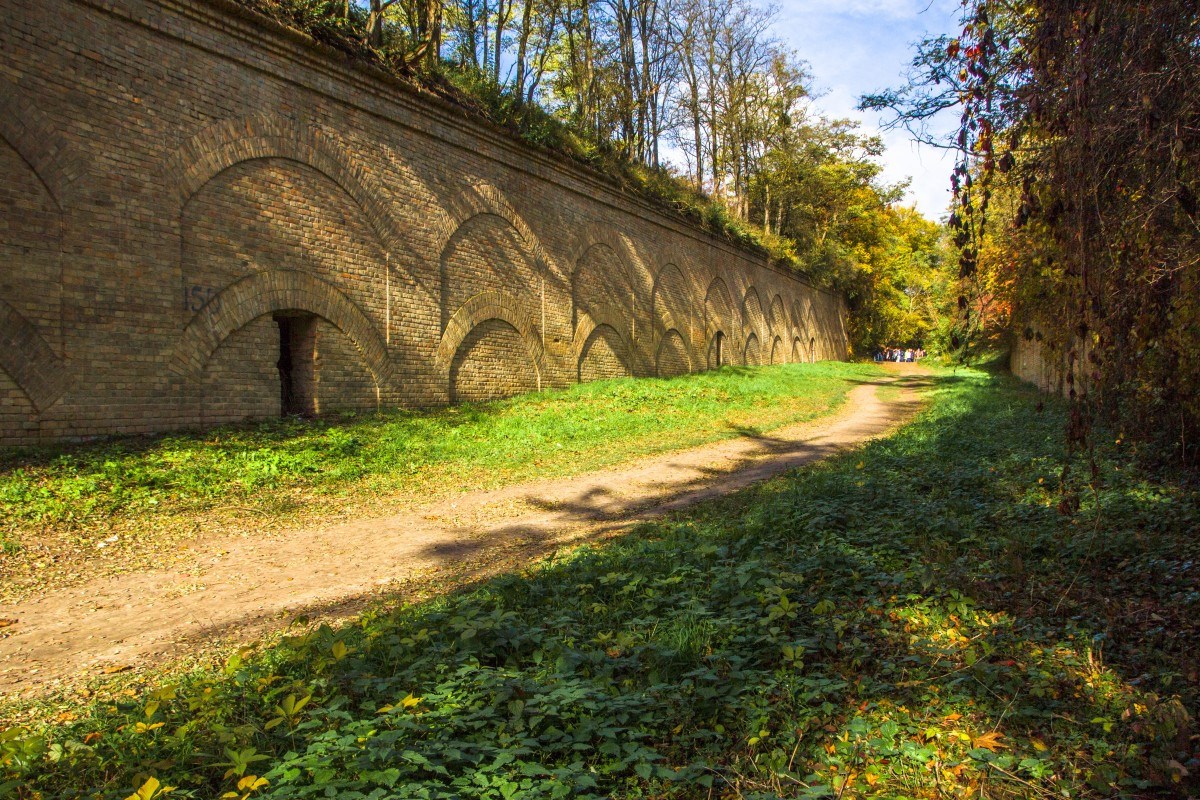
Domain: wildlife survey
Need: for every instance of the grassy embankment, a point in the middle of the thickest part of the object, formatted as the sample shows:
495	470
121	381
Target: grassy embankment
71	512
915	619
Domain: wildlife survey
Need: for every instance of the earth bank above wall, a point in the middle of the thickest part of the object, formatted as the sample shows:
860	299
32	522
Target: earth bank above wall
204	219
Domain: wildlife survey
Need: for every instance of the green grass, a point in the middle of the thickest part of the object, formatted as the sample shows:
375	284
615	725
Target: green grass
548	433
915	619
69	513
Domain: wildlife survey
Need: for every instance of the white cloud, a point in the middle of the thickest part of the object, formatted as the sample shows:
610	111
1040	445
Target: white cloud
860	46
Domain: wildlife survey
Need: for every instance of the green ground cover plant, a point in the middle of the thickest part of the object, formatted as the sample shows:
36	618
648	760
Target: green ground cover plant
914	619
65	509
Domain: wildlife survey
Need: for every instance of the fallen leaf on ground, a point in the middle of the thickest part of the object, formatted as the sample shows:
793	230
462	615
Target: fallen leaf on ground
988	741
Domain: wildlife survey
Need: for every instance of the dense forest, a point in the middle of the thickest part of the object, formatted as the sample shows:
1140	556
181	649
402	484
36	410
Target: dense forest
693	103
1076	192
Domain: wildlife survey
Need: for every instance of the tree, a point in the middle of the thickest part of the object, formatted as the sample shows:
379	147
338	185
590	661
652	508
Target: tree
1086	117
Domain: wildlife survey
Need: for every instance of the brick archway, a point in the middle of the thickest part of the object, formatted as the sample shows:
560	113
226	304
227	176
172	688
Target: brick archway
482	307
219	147
268	292
484	198
721	316
25	355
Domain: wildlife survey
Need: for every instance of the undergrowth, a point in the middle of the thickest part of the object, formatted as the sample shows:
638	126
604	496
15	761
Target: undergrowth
914	619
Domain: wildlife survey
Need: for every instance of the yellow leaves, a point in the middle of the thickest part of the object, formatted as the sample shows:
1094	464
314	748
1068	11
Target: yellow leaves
246	787
340	650
163	693
1038	745
288	711
252	782
410	700
150	790
988	741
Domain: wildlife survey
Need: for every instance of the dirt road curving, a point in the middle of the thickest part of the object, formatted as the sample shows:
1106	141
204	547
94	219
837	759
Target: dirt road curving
236	589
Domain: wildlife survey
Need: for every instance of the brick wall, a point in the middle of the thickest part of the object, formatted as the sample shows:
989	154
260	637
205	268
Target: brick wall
175	176
491	363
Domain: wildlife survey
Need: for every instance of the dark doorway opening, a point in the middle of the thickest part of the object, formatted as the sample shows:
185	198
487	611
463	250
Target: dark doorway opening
297	363
719	350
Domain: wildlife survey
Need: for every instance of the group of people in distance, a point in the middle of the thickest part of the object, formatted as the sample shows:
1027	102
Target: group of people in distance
899	354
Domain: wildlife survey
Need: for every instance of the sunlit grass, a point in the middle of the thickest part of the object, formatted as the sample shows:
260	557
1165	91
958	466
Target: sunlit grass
553	432
67	511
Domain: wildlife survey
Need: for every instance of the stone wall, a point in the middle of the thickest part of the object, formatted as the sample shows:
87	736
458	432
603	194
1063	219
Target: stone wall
204	217
1032	360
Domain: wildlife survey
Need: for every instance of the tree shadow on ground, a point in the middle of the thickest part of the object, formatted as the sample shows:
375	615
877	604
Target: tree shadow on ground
911	619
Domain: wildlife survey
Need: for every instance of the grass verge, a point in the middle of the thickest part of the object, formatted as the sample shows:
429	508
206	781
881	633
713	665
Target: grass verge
915	619
72	511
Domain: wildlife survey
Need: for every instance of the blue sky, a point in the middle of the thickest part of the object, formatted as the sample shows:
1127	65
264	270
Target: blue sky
858	46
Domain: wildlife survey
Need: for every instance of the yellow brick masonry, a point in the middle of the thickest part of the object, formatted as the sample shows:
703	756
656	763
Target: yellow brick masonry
202	211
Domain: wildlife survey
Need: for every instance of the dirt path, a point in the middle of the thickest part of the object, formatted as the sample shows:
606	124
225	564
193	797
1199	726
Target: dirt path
239	588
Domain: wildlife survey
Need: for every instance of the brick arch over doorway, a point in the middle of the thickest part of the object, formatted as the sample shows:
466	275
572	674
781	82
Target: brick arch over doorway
266	294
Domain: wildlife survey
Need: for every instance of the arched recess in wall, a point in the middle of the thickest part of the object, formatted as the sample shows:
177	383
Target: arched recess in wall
41	177
249	321
754	321
672	309
488	248
602	297
491	349
672	357
719	324
752	355
601	348
225	144
779	352
604	355
796	331
808	328
602	271
493	267
777	322
267	190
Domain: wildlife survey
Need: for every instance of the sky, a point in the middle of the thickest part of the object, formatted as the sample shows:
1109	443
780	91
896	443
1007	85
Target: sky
858	46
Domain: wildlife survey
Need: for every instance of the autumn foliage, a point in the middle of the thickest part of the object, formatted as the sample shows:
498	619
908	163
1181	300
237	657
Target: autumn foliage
1078	193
